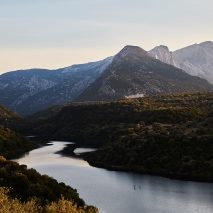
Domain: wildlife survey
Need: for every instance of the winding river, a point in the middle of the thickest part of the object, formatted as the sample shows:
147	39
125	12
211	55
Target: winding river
121	192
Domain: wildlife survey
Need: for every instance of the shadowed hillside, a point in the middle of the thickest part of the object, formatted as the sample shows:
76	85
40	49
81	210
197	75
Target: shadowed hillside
134	72
167	135
12	143
31	192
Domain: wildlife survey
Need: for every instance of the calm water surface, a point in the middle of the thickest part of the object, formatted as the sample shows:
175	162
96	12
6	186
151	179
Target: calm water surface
121	192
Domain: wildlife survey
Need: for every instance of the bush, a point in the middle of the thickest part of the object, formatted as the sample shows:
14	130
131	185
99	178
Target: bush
14	205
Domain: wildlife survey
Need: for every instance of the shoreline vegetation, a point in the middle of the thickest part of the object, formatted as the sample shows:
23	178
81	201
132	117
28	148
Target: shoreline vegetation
89	157
167	135
27	191
13	144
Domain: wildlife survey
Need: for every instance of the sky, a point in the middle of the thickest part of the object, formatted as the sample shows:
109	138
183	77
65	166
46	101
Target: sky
59	33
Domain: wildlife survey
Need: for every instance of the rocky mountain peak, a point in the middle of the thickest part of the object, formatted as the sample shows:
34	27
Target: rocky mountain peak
163	54
131	52
196	59
131	72
162	47
207	44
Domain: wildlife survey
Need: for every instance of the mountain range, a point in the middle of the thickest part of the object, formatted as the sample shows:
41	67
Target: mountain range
27	91
196	59
133	72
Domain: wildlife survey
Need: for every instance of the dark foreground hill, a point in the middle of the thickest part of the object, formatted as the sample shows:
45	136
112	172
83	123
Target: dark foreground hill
7	117
12	143
25	190
165	135
39	191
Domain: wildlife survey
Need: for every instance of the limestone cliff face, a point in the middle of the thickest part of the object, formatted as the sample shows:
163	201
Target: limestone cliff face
163	54
196	60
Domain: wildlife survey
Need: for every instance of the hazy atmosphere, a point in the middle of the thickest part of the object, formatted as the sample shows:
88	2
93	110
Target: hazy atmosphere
58	33
106	106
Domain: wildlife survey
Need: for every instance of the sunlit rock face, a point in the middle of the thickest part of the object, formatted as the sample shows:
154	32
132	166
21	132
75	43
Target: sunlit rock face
196	60
163	54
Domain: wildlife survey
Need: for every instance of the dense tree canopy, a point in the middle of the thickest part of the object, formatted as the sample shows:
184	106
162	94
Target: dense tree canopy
169	135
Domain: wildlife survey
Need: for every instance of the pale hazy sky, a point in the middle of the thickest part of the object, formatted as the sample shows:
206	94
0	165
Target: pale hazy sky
58	33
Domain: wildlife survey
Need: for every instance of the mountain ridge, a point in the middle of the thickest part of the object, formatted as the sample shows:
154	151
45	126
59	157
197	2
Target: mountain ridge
195	59
33	90
28	91
134	71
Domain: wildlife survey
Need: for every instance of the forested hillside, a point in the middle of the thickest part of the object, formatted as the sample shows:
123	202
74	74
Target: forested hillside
12	143
27	191
166	135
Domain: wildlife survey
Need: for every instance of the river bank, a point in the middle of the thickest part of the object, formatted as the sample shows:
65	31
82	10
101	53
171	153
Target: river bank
115	191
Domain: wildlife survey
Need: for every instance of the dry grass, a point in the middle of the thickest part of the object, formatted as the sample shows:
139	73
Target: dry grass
64	206
9	205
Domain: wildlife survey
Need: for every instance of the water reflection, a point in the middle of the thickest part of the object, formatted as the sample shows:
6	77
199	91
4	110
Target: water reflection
115	192
79	151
